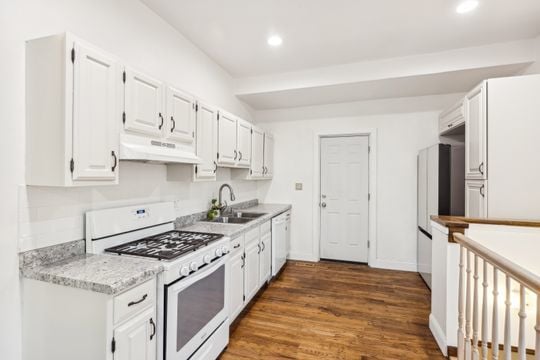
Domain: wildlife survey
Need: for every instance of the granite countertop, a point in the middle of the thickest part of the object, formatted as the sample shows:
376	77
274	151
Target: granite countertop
233	230
107	274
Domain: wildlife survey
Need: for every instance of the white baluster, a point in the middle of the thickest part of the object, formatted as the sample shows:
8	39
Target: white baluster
468	310
522	346
485	313
507	321
475	310
537	327
495	323
461	314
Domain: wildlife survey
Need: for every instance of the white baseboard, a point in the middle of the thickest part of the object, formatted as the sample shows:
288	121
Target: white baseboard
302	257
393	265
438	334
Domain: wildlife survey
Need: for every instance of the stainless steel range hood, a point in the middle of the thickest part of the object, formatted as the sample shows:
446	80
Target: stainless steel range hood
139	148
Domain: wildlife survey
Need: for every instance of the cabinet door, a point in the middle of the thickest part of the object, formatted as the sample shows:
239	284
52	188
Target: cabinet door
257	151
206	142
476	199
227	153
180	117
236	284
96	111
251	269
268	155
476	133
136	339
265	259
243	138
143	104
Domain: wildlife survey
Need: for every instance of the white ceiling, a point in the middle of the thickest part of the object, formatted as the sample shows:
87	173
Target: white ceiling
320	33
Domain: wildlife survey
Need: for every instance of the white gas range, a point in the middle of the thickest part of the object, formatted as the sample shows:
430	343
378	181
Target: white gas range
192	291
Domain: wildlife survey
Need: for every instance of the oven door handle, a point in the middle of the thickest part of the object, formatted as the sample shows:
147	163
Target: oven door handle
200	274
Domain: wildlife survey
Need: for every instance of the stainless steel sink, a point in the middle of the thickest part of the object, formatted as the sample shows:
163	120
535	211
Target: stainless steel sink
237	217
231	220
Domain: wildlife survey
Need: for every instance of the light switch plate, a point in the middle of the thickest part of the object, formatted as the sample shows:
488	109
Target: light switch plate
298	186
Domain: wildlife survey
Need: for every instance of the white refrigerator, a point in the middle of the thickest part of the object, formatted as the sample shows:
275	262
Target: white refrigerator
441	191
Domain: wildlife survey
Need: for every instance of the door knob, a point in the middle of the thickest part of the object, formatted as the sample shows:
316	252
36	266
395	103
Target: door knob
323	204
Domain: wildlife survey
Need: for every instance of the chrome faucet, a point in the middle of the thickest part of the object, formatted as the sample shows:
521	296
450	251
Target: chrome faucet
223	206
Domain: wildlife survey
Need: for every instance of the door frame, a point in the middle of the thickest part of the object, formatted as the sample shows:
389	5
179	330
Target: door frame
372	185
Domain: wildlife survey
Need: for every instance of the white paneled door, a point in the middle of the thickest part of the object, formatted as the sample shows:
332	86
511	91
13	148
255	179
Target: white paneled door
344	198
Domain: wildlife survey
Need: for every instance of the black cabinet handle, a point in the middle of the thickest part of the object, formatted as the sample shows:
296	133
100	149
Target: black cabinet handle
263	246
240	155
173	124
235	154
113	154
153	328
236	246
481	168
161	124
138	301
482	191
259	247
215	168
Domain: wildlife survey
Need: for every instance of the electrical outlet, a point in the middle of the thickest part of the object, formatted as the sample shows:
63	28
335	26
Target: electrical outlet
298	186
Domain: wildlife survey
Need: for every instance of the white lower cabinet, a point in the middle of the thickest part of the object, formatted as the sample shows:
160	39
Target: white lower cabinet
476	198
136	338
63	323
265	268
236	278
249	267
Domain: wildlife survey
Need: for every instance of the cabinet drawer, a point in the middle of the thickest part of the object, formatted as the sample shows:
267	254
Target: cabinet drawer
132	301
266	227
237	244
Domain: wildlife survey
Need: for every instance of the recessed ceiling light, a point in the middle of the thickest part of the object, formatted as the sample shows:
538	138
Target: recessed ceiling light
275	40
467	6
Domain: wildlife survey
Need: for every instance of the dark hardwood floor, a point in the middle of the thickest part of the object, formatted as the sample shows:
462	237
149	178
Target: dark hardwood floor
331	310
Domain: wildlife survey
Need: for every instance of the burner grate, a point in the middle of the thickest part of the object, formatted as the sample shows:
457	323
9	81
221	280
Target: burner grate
166	246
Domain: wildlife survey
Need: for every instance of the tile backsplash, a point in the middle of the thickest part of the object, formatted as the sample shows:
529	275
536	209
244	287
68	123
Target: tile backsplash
49	216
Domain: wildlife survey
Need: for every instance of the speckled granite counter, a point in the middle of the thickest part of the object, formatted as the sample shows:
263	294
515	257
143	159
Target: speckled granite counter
108	274
232	230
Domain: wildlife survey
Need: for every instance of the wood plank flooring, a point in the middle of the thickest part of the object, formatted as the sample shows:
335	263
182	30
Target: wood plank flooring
331	310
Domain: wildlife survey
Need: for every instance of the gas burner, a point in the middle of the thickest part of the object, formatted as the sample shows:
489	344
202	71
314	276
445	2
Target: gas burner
166	246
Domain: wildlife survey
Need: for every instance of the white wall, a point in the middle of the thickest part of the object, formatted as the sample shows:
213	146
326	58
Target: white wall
535	67
131	31
399	138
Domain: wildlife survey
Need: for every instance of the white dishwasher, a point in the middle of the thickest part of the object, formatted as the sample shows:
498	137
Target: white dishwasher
281	237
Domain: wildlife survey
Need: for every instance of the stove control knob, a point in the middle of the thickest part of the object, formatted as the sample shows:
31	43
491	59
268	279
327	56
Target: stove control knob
193	266
219	252
207	259
225	250
184	271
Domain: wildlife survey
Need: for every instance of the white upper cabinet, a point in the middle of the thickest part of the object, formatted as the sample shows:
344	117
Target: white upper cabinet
227	153
206	142
452	118
95	115
143	104
180	117
257	154
243	140
476	133
73	108
268	171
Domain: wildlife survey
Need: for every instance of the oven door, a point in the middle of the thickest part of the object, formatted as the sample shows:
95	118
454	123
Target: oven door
195	307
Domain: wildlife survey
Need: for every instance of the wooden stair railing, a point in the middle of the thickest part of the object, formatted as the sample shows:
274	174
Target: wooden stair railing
473	333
